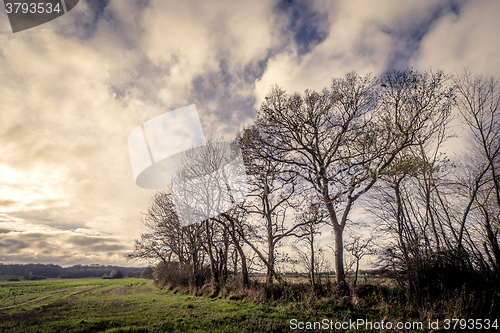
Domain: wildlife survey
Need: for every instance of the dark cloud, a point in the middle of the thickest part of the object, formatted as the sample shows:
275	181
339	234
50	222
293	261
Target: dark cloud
305	23
96	243
109	247
34	237
82	240
410	36
62	248
52	216
232	109
87	22
7	203
12	245
15	132
140	80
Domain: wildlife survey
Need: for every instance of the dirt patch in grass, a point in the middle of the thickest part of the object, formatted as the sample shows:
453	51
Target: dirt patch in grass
121	291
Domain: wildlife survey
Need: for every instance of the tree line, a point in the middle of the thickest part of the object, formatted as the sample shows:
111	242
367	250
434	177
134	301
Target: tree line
76	271
311	158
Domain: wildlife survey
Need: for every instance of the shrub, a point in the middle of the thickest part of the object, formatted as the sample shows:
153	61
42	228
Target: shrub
174	274
115	274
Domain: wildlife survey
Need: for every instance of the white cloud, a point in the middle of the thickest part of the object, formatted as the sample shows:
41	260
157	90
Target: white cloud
465	40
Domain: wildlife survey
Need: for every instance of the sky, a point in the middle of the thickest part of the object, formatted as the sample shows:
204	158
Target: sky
73	89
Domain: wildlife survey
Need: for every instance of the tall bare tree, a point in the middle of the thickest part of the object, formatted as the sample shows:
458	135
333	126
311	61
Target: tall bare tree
271	195
206	182
478	100
311	218
342	139
166	240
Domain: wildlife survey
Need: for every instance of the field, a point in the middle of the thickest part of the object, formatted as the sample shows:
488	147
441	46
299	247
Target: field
126	305
137	305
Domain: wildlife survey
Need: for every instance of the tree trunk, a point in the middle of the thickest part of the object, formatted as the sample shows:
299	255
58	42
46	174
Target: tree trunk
313	282
270	268
225	256
339	253
270	236
339	243
231	229
244	269
235	263
264	260
399	220
213	270
357	269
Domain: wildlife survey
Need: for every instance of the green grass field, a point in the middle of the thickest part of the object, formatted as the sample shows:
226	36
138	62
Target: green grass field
137	305
126	305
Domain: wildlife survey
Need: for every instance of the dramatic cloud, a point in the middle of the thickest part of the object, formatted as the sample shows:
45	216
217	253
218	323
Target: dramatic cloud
27	242
361	36
73	89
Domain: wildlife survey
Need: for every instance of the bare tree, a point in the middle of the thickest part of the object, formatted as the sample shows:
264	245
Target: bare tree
417	205
478	100
166	240
310	220
208	182
231	221
205	182
342	139
359	246
272	190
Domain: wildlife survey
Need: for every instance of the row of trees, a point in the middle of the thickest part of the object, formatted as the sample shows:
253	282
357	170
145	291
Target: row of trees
311	158
75	271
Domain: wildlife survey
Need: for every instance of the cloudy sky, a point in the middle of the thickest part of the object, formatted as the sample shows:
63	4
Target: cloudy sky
73	89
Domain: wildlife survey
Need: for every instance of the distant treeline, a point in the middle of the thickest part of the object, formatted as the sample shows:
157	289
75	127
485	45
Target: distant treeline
76	271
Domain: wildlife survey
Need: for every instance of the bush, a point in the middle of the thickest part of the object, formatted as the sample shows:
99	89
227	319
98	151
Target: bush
115	274
174	274
33	277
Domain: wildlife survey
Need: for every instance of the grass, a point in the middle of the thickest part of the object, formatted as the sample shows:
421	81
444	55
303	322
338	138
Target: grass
136	305
126	305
